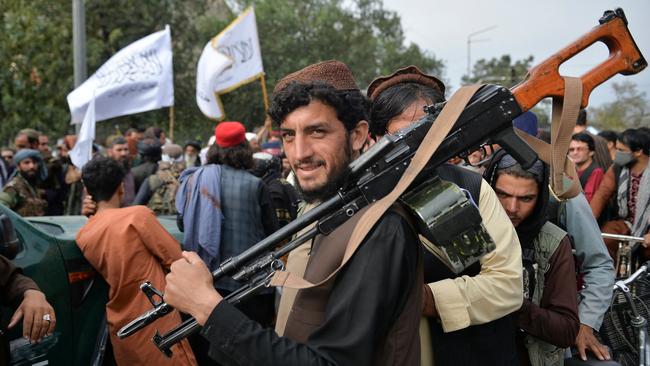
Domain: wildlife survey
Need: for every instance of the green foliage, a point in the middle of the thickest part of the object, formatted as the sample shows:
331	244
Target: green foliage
501	71
631	109
36	72
296	33
36	66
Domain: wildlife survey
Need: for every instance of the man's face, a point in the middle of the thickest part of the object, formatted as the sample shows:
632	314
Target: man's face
28	168
191	150
518	196
318	147
119	152
8	156
579	152
411	114
43	144
21	142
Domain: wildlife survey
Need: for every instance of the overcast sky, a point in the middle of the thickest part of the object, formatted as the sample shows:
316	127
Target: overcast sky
523	28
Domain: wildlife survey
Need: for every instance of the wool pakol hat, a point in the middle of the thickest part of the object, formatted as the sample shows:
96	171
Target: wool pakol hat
332	72
409	74
229	134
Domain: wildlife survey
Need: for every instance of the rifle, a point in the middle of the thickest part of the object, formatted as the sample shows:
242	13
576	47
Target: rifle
487	119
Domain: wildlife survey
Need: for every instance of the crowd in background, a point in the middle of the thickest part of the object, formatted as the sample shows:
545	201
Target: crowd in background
39	179
250	193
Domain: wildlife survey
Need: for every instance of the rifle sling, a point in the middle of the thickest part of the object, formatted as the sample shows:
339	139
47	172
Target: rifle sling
565	114
436	134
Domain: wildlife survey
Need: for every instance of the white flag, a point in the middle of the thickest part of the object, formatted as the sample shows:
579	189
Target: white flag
83	148
211	64
138	78
240	42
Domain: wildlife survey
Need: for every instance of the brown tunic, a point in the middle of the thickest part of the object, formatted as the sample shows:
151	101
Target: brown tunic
129	246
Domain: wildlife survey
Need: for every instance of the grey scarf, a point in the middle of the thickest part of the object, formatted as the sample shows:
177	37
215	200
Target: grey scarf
642	212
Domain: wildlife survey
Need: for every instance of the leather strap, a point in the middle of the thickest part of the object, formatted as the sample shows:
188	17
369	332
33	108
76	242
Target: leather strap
565	114
436	134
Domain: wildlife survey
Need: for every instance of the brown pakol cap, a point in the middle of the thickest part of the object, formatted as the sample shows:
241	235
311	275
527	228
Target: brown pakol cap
409	74
332	72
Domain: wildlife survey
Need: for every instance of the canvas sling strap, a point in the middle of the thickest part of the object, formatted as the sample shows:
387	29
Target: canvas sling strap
564	116
436	134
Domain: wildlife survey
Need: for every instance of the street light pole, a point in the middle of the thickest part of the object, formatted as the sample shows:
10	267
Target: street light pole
79	44
469	46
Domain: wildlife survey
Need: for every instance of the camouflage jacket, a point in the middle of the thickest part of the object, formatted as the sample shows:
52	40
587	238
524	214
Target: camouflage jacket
23	198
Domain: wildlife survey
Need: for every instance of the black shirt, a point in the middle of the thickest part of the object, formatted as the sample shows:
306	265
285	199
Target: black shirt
366	299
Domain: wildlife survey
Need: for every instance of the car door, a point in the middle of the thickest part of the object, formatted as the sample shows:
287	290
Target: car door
40	258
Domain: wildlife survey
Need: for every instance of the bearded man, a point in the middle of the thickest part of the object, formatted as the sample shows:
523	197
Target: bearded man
21	193
369	313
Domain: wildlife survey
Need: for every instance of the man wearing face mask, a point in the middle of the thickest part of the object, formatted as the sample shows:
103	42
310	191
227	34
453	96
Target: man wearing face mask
628	181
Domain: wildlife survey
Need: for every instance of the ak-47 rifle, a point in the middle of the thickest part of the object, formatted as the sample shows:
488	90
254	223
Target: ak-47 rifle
486	119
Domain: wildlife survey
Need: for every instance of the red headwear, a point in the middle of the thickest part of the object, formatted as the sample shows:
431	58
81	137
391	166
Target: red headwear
229	134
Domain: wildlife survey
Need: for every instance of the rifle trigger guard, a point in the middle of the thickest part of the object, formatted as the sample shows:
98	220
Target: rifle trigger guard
276	265
150	292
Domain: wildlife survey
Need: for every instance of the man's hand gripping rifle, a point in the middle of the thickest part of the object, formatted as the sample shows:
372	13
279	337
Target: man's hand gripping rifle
487	119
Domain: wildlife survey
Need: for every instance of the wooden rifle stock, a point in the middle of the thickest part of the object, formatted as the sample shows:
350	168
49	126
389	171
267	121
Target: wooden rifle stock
544	80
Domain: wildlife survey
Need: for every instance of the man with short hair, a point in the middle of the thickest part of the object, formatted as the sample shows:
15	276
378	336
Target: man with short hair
27	139
369	313
55	187
628	181
44	144
128	246
118	150
548	319
601	153
150	153
21	193
581	152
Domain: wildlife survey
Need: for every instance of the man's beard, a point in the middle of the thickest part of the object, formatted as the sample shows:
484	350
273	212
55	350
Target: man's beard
126	164
337	179
31	177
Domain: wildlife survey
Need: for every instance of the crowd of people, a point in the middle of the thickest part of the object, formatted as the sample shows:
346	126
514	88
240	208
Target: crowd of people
542	290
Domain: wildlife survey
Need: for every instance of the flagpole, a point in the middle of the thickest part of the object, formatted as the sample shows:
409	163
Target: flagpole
171	123
264	93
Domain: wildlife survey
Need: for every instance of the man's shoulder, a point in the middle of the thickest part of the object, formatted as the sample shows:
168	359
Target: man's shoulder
552	231
115	219
15	183
397	223
137	211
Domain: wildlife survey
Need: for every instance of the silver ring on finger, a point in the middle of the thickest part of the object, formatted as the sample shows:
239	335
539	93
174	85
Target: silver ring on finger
47	317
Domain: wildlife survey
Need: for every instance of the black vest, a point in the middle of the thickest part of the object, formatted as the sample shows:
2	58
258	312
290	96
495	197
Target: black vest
492	343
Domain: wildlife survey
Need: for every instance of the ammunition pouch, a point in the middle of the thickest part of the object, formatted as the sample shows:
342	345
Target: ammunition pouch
449	223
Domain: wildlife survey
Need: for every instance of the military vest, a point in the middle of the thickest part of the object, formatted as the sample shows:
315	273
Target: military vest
164	185
29	201
546	243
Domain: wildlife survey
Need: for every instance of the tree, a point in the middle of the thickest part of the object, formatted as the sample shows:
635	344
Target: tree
500	71
36	66
296	33
630	109
36	74
503	71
